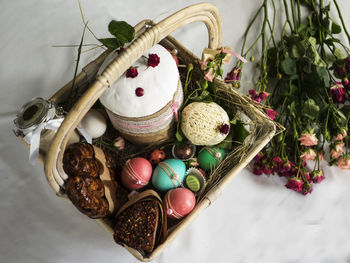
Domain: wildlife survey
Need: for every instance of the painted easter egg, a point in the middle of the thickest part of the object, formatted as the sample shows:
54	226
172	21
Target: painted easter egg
210	157
157	156
94	123
179	202
168	174
136	173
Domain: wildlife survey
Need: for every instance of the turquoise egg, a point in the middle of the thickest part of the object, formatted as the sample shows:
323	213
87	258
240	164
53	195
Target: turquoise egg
168	174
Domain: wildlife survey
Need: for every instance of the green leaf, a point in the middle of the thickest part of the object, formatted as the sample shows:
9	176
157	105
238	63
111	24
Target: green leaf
122	31
295	52
227	143
239	132
310	109
178	136
338	54
312	54
289	66
111	43
292	109
341	114
335	29
323	75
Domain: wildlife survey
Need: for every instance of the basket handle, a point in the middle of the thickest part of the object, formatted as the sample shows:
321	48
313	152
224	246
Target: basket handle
203	12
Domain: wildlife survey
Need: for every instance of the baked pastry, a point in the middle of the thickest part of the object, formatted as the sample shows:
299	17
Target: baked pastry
87	194
142	104
91	184
141	223
137	226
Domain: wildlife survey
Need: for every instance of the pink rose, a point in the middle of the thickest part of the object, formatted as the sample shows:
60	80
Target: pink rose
209	75
337	150
257	170
234	75
320	156
307	188
344	162
341	135
271	113
267	169
119	143
308	139
317	176
308	155
295	184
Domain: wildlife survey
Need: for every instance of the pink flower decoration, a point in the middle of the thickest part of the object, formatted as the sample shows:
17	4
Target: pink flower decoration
267	169
341	135
308	155
307	188
119	143
132	72
234	75
338	93
317	176
263	95
153	60
224	129
344	162
295	184
308	139
257	169
209	75
255	95
340	71
258	157
308	178
337	150
271	113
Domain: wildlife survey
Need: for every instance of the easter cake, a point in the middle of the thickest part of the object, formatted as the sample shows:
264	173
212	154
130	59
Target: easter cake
143	103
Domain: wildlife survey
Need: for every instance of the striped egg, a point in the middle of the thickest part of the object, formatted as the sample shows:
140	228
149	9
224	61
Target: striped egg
179	202
136	173
168	174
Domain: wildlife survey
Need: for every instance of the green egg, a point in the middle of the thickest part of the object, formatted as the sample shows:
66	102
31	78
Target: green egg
210	157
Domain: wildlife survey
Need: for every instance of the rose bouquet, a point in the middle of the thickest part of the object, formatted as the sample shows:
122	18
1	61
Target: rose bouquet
303	85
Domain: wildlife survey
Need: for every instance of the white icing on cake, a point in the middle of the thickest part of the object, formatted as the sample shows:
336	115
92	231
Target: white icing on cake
159	84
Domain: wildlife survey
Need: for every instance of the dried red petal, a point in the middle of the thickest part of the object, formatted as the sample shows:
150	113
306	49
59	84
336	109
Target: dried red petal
132	73
153	60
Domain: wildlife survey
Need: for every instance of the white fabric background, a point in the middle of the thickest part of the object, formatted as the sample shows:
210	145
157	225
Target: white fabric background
255	220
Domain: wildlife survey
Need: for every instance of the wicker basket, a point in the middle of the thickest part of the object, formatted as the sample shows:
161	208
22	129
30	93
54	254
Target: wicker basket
147	35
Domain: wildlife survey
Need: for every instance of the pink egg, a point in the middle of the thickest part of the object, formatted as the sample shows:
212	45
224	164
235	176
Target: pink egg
179	202
136	173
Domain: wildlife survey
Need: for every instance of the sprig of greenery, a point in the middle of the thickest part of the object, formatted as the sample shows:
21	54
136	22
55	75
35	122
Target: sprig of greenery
123	33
